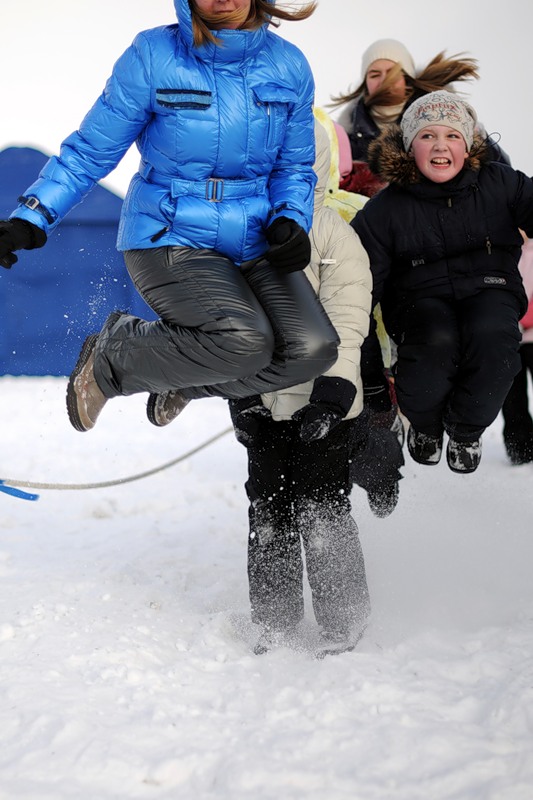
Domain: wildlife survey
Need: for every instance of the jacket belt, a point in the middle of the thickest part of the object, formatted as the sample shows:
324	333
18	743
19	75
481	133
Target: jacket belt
213	189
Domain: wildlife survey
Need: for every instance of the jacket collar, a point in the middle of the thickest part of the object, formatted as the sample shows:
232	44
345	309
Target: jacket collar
236	45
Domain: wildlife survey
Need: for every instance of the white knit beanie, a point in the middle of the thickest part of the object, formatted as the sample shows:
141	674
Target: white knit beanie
392	50
438	108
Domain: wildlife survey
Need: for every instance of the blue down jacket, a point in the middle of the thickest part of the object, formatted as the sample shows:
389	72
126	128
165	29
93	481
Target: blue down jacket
225	133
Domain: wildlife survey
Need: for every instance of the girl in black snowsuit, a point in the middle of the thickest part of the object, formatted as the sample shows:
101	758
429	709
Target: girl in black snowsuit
444	243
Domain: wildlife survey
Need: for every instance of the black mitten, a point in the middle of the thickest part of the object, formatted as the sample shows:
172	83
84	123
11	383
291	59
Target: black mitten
246	415
330	401
18	234
290	247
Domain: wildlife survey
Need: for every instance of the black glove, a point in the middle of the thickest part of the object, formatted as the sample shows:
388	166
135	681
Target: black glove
246	416
330	401
18	234
290	248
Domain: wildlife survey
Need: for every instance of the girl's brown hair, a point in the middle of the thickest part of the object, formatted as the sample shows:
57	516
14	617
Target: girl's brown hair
438	74
261	12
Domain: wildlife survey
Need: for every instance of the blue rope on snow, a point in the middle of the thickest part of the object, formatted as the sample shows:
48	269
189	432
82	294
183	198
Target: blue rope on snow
17	492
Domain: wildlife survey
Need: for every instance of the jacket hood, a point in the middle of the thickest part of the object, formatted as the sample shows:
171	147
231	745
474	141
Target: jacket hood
388	159
327	170
324	163
235	43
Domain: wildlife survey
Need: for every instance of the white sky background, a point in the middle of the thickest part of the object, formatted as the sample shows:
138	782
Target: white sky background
56	56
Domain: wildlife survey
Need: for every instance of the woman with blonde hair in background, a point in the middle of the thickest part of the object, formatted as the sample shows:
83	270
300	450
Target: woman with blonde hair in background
389	84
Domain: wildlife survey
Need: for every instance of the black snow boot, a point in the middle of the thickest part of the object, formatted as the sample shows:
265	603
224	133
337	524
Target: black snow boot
463	457
384	500
519	449
424	449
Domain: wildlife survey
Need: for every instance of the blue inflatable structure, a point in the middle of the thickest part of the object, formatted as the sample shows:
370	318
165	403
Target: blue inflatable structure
52	298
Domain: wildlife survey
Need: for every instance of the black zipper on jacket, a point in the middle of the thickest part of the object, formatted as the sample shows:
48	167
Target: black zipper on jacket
159	234
488	245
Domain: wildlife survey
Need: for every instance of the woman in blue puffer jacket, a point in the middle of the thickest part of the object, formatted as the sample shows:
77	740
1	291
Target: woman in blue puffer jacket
214	224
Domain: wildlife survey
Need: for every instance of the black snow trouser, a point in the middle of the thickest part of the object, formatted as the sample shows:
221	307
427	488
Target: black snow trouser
300	494
456	360
222	331
518	422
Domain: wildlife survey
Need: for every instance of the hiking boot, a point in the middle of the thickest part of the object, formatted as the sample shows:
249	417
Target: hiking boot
162	408
463	457
383	501
424	449
85	399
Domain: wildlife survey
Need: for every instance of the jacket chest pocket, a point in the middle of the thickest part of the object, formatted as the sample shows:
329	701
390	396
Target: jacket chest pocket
274	106
169	100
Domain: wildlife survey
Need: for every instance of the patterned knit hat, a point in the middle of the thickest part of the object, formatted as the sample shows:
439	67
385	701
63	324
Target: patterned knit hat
392	50
439	108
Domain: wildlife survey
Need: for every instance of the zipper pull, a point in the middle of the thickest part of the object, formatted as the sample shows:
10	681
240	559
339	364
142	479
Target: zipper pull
488	246
449	202
159	234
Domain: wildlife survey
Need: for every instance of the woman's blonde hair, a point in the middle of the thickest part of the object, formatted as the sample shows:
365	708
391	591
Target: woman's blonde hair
261	12
438	74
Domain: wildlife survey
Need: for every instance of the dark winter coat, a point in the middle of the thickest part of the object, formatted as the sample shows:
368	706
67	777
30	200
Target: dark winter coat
443	240
363	131
225	134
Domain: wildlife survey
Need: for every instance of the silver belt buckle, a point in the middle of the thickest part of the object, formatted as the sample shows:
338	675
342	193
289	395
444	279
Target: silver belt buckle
214	190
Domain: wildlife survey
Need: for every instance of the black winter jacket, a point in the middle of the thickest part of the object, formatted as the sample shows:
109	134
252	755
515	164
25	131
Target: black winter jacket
451	239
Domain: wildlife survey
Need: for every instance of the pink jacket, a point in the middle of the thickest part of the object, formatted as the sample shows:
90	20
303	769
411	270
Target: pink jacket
526	270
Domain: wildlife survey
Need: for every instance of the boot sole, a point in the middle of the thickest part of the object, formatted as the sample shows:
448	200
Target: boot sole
150	411
72	398
463	471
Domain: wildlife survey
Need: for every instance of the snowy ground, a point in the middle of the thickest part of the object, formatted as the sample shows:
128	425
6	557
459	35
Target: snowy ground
125	663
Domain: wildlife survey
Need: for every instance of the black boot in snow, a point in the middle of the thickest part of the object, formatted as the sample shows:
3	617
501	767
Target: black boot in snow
384	500
463	457
274	638
164	407
519	449
333	643
424	449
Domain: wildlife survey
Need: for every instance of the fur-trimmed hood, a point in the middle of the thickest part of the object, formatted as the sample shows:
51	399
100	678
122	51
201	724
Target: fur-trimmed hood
388	159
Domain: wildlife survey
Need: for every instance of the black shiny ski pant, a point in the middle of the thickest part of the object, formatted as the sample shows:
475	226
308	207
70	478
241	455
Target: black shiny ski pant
223	331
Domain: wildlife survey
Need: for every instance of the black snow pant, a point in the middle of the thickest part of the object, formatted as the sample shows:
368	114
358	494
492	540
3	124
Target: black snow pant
518	423
456	360
300	494
222	331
